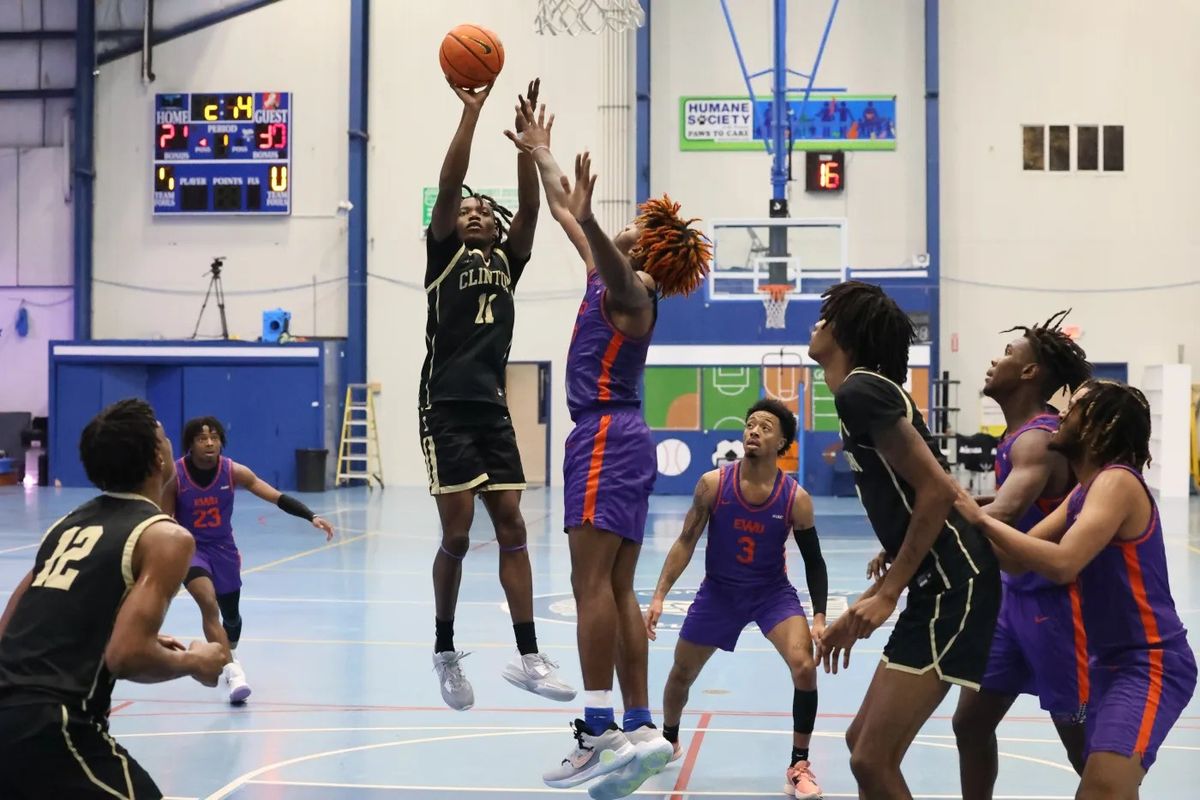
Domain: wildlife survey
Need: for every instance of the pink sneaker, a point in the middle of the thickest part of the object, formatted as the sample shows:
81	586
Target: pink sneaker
801	783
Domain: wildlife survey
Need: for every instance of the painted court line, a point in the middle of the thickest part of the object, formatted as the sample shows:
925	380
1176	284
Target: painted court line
689	760
640	793
302	554
19	548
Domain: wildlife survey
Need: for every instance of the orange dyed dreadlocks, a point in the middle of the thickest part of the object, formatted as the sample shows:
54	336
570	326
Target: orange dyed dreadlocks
674	254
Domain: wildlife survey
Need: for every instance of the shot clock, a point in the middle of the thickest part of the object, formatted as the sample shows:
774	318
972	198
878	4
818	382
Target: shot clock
825	171
223	153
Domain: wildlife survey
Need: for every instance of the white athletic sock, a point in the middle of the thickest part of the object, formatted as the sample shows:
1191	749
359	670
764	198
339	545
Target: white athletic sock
599	699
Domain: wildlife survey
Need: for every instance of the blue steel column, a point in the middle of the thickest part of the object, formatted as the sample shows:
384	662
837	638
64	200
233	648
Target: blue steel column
642	118
779	137
933	199
83	172
355	367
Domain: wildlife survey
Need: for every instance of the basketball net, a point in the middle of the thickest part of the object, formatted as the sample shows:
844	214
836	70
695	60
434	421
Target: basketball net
573	17
775	300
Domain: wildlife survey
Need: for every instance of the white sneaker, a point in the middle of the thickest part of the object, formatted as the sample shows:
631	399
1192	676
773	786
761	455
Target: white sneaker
652	752
536	673
591	757
235	679
456	689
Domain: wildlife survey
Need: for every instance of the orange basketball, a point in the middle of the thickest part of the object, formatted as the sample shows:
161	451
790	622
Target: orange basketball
471	56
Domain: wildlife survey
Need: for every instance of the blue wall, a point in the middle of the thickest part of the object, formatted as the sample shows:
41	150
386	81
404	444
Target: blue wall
270	405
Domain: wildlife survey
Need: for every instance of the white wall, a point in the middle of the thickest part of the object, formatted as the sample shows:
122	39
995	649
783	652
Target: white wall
1029	62
35	252
300	46
874	47
413	114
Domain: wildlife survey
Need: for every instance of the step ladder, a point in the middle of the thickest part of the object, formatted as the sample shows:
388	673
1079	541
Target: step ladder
358	451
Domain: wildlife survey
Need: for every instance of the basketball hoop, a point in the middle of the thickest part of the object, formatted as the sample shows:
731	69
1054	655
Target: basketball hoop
775	300
573	17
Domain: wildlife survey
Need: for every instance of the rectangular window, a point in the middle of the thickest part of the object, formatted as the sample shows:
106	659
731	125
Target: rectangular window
1060	148
1035	147
1087	148
1114	148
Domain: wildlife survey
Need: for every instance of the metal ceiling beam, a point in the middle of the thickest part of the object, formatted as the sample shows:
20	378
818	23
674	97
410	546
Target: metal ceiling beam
47	35
35	94
183	29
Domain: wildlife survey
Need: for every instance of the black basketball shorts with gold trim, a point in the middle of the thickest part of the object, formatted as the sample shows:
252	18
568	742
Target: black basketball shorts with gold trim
949	632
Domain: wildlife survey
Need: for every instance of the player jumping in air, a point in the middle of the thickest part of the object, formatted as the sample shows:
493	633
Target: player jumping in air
610	463
476	251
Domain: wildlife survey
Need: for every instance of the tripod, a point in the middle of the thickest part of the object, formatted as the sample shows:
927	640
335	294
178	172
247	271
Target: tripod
214	287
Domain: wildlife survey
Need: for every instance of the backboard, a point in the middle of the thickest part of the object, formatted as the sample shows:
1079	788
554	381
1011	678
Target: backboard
809	254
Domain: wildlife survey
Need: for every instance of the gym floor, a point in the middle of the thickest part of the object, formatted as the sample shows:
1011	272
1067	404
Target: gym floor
337	647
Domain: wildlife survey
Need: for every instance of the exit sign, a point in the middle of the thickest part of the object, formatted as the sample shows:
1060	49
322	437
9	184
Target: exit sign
825	171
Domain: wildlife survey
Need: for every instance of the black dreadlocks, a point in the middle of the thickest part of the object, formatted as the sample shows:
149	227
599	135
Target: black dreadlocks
870	326
503	215
1115	423
1062	360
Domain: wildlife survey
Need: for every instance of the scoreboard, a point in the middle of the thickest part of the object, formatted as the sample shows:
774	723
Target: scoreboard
223	153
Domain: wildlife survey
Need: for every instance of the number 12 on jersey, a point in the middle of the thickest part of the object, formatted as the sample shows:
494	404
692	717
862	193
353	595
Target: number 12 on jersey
74	544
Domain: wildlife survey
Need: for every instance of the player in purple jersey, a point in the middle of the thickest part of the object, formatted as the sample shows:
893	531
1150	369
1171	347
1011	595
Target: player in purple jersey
610	463
1040	647
750	508
1108	537
200	497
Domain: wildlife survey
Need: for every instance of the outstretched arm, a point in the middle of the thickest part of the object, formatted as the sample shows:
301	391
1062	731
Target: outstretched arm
1105	511
625	289
684	548
245	478
529	199
533	137
458	158
136	651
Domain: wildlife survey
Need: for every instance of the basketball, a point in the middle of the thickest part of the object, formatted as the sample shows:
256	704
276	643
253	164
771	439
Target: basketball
471	56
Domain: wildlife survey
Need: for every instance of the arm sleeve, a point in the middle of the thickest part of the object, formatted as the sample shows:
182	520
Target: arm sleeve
814	568
866	403
294	507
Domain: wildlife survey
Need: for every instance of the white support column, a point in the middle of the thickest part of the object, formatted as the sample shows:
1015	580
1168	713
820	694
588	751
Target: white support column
1168	388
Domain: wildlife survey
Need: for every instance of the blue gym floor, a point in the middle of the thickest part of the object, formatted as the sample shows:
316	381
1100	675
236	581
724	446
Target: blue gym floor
337	648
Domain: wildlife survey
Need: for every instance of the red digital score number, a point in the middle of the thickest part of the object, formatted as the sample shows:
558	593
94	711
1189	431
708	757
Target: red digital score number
831	175
826	172
172	137
271	136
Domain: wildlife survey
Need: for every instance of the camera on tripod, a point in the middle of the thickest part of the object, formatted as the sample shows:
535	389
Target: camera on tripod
215	287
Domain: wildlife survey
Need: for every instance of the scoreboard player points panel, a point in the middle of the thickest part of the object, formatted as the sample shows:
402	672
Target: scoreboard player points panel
222	153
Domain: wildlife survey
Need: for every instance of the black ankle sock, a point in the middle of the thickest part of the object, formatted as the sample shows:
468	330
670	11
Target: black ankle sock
799	754
526	638
671	733
445	635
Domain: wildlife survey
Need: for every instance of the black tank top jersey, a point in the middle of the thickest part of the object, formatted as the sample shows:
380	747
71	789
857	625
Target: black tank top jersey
469	327
53	648
868	401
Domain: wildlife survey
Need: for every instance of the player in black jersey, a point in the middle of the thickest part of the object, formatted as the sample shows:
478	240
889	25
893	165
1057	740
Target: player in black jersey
88	613
945	631
476	253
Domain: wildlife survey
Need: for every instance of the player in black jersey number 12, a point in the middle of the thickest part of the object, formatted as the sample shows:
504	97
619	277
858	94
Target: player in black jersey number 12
89	612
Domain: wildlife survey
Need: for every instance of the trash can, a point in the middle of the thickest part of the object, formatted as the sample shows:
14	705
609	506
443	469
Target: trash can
310	470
